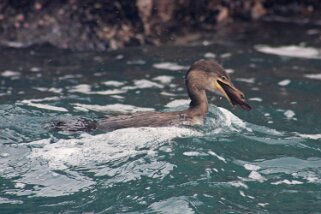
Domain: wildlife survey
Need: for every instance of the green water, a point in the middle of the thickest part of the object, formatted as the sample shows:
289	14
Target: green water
267	160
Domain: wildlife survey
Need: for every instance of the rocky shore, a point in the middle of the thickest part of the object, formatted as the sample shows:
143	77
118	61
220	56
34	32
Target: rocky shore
111	24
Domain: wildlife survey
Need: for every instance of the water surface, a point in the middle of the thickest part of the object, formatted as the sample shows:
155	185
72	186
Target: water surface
263	161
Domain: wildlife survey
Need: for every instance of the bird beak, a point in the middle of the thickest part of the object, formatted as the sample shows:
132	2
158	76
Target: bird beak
232	94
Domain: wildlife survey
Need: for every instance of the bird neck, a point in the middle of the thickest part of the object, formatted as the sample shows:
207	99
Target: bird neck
199	103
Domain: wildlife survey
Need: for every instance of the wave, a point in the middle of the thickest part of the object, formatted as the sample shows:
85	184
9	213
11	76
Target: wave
53	166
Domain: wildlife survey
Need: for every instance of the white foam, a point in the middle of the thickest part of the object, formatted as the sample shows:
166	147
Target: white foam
164	79
209	55
169	66
256	176
312	179
82	88
44	106
86	89
143	83
286	181
258	99
251	197
113	83
242	193
35	69
14	44
8	73
53	168
313	76
311	136
109	92
289	165
251	167
263	204
20	185
309	176
238	184
136	62
229	70
194	154
53	90
174	205
291	51
4	155
284	82
289	114
44	99
119	56
9	201
91	151
121	108
78	108
178	102
117	97
70	76
246	80
229	119
129	87
217	156
168	94
225	55
206	43
41	142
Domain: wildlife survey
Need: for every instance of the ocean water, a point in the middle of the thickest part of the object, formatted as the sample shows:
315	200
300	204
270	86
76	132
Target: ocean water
267	160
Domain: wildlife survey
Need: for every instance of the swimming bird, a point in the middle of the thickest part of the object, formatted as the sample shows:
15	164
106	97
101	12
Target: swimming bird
202	76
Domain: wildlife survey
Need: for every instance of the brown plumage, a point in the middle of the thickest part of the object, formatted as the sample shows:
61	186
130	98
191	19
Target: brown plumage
203	75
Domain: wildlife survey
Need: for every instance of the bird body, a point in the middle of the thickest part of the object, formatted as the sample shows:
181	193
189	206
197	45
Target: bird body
203	75
149	119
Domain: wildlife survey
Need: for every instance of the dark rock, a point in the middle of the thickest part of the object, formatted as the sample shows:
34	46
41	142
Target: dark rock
102	25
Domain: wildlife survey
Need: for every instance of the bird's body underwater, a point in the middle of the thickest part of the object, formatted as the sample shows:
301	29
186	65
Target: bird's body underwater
203	75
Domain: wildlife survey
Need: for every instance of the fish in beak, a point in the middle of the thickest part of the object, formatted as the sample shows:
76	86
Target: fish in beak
232	94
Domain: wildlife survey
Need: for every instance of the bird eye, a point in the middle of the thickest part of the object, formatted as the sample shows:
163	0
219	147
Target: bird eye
223	78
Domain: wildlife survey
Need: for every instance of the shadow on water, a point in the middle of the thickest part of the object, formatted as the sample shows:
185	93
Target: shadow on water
266	160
